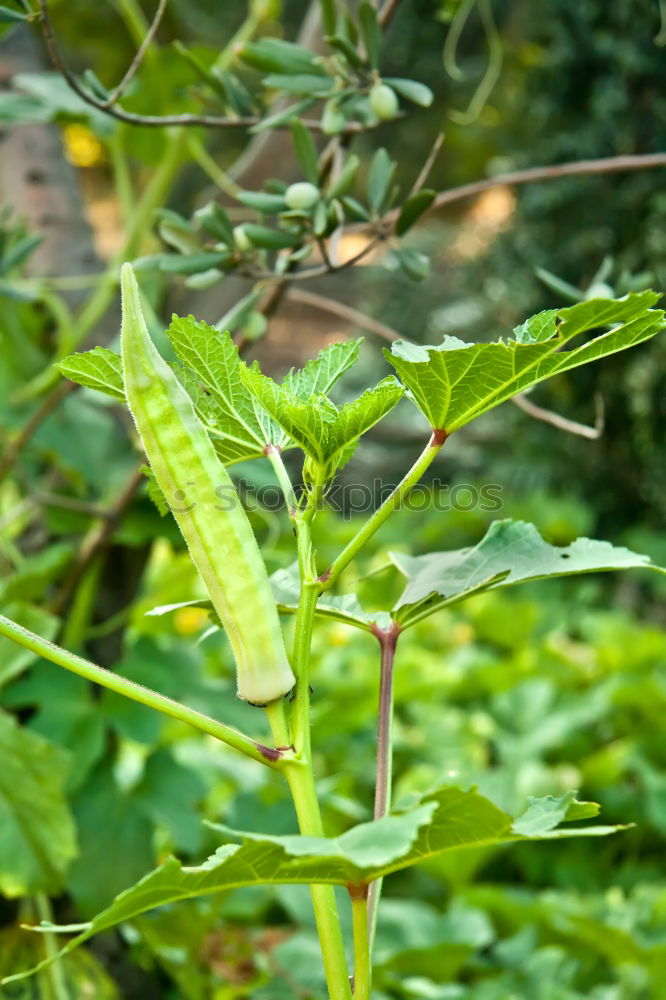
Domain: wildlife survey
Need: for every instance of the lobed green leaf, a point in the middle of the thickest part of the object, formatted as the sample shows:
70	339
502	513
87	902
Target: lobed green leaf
447	819
510	552
323	431
455	382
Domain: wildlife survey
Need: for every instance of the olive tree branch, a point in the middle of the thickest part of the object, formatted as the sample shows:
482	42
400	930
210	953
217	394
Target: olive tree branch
427	164
46	408
353	316
387	11
563	423
96	538
134	66
188	119
531	175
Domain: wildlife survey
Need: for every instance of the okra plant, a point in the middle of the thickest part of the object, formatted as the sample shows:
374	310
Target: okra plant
210	411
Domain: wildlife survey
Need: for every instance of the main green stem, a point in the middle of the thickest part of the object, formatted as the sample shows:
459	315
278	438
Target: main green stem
383	512
136	692
300	775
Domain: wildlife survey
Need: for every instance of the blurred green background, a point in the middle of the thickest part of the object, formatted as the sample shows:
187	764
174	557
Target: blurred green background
528	692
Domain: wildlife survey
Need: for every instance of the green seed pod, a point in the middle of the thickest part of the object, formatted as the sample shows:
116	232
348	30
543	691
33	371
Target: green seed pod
206	507
383	101
301	196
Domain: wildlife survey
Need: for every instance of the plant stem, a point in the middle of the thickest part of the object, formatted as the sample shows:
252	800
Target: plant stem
274	456
136	692
302	639
392	502
300	776
278	722
362	964
388	639
55	972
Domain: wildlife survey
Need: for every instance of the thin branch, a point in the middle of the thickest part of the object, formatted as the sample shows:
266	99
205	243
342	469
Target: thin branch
134	66
96	539
563	423
49	404
321	269
428	165
208	121
606	165
45	499
387	11
345	312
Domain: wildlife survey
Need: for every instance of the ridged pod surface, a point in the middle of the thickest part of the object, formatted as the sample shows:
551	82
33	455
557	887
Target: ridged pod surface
206	506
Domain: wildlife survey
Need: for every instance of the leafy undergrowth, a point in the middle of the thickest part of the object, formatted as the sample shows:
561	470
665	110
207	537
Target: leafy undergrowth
523	692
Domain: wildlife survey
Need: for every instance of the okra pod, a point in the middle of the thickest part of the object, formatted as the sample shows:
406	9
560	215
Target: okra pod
206	506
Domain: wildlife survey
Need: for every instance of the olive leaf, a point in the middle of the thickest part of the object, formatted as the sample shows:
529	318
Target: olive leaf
455	382
510	552
446	819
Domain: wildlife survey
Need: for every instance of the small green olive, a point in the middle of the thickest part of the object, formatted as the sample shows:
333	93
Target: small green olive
255	326
383	101
241	239
599	290
332	121
301	196
265	10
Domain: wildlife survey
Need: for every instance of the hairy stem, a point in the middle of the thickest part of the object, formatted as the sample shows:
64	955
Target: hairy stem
274	456
136	692
392	502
